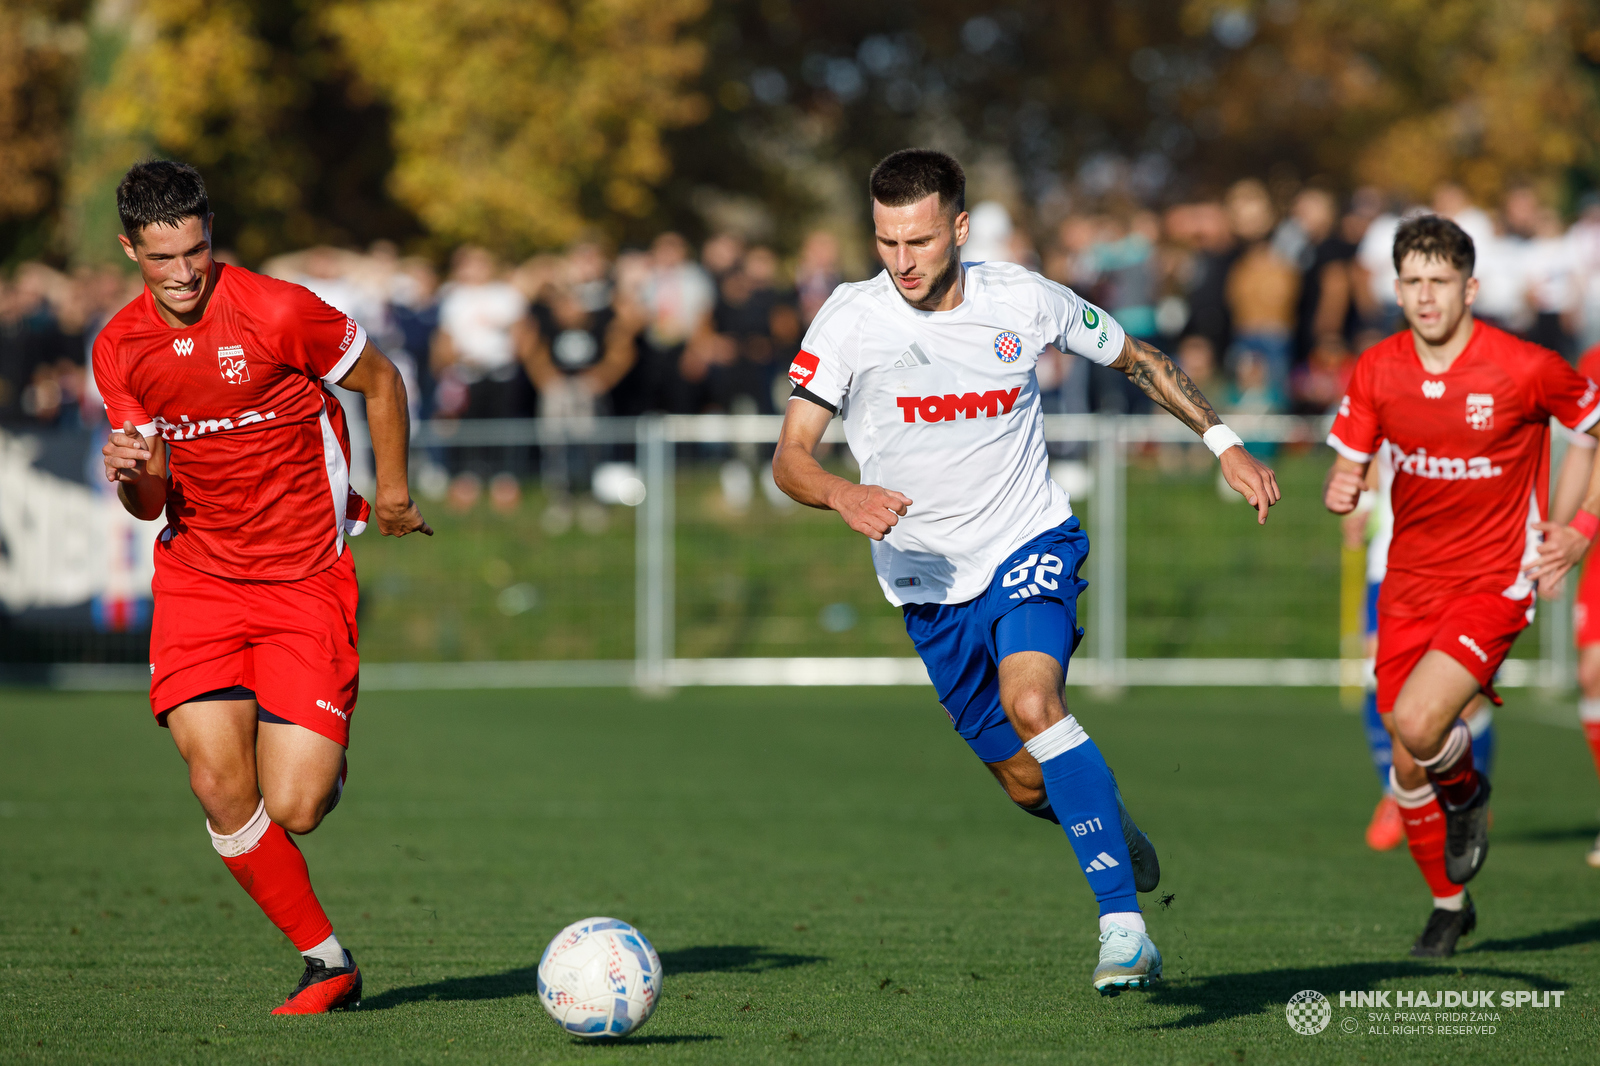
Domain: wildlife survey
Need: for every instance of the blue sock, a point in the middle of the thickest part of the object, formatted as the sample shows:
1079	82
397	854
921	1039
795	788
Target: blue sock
1482	741
1084	799
1378	740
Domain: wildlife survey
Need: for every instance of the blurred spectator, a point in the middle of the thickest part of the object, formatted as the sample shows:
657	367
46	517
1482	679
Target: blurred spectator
1373	274
816	274
479	351
1552	285
1323	313
1126	281
1253	392
1504	267
992	237
1584	237
677	297
1202	228
753	333
721	254
1262	291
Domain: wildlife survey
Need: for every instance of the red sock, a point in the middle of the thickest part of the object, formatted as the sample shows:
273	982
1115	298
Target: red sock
1425	836
274	873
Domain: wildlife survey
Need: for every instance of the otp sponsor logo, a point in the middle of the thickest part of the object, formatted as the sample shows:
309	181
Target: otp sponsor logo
803	369
1421	464
968	405
328	706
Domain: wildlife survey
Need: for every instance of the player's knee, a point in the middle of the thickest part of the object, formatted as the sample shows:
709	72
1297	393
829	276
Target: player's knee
1589	676
297	814
1033	710
219	788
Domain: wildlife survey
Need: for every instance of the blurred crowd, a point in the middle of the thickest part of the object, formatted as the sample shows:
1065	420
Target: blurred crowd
1265	299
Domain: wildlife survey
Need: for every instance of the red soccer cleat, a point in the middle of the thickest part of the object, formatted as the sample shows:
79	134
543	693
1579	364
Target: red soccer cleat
1386	830
322	989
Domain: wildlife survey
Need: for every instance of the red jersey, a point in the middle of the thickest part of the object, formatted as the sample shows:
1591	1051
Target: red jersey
1471	455
260	457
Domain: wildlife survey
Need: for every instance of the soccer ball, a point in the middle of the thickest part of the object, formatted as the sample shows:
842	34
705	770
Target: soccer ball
599	978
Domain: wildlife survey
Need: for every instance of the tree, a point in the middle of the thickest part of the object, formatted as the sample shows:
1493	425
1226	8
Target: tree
518	123
40	42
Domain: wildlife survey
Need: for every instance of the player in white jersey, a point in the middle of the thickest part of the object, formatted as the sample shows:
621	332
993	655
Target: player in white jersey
931	366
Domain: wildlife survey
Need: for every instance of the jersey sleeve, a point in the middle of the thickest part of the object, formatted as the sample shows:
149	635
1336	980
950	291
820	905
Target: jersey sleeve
108	381
1073	324
318	340
826	364
1561	392
1355	433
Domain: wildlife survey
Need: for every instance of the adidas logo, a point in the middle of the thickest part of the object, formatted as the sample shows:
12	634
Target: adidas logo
183	345
1101	861
912	357
1433	389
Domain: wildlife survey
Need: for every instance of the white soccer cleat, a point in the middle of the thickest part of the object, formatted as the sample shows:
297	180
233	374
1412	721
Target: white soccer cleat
1128	959
1593	858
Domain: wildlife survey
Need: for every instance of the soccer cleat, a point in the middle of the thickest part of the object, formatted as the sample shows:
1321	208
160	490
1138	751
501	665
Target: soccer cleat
1146	867
1128	960
1466	836
1593	858
322	989
1387	829
1444	928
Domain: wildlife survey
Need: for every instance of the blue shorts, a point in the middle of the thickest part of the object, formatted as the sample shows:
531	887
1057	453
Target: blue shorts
1373	588
1031	605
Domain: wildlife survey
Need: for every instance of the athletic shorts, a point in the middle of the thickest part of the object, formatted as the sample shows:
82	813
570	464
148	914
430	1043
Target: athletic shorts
1586	608
1476	631
1031	605
293	643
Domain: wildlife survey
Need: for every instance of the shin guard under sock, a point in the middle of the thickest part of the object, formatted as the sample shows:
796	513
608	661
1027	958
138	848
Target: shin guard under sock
1451	771
1084	799
1589	718
269	866
1424	822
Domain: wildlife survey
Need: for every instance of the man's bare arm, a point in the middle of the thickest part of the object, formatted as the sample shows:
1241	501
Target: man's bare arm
389	423
138	465
1564	547
868	509
1165	382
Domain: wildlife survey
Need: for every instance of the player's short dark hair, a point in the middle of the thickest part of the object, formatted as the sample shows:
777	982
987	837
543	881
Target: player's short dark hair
912	174
159	192
1435	237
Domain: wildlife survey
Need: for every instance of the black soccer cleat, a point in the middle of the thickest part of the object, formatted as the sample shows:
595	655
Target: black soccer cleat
1466	836
1444	928
324	988
1146	867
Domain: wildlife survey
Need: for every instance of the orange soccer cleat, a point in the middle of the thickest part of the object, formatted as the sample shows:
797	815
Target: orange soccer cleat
323	988
1386	830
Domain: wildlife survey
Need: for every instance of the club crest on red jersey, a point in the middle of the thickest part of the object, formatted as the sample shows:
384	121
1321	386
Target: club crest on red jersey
1480	410
230	361
183	345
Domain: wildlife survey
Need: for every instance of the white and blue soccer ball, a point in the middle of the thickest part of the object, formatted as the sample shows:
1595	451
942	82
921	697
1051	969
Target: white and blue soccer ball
599	978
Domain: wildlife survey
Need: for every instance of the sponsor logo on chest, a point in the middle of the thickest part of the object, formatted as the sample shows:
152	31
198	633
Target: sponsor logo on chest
231	363
950	406
183	345
1440	468
1480	410
1433	390
184	429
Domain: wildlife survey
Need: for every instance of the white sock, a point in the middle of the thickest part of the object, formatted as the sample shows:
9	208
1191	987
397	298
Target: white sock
1409	798
1457	743
243	840
329	951
1061	737
1127	919
1451	903
1588	710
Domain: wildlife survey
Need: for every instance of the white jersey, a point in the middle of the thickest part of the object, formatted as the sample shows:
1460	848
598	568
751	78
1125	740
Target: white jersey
1380	525
943	406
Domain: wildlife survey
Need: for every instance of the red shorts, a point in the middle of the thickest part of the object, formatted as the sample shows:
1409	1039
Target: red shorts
1586	608
292	642
1476	631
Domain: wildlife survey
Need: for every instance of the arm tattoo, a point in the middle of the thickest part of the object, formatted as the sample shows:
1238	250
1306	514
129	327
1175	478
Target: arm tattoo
1159	378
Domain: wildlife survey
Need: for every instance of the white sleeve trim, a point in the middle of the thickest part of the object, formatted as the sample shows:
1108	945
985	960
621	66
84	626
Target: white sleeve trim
342	367
1348	452
1588	420
1576	438
146	430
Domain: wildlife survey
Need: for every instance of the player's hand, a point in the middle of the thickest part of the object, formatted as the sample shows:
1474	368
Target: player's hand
1252	479
1342	491
125	454
397	517
1563	548
870	509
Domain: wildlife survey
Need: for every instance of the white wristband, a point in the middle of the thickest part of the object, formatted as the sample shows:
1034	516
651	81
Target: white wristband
1220	438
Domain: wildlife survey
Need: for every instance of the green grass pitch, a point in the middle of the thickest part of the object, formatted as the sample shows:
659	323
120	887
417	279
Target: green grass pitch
828	875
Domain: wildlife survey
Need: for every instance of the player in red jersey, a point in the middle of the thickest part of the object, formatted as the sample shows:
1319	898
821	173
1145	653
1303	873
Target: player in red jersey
216	382
1466	410
1576	469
